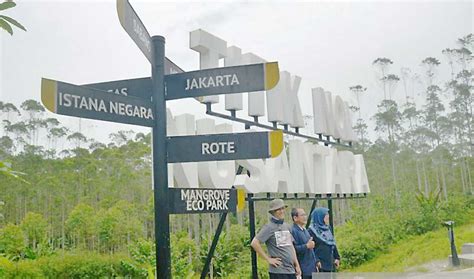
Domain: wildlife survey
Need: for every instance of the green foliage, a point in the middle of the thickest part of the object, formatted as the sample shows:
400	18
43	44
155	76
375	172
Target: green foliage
81	264
359	248
183	255
232	250
5	265
34	227
365	238
80	224
143	253
417	250
6	170
5	21
427	217
12	242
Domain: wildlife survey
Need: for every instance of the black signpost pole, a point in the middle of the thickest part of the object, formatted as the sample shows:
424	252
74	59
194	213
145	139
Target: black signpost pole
160	164
331	216
252	234
313	205
215	240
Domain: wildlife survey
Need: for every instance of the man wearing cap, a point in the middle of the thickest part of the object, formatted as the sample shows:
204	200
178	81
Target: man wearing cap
276	235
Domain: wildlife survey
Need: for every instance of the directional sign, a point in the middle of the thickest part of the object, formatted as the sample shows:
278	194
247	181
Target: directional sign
199	200
138	87
227	80
172	68
134	26
73	100
218	147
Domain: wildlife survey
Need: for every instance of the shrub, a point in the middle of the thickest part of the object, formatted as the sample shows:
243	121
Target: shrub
12	242
183	255
5	266
458	209
24	269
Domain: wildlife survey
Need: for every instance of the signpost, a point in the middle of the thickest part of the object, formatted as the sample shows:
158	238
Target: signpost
142	101
220	147
138	87
226	80
200	200
134	26
73	100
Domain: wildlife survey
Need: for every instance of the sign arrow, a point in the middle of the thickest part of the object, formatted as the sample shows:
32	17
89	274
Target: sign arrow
219	147
74	100
172	68
200	200
227	80
135	28
138	87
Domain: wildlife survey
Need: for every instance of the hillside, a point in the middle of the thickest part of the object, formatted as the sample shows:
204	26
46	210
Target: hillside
416	251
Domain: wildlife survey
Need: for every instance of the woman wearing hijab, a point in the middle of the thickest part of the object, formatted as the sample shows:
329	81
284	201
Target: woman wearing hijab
327	256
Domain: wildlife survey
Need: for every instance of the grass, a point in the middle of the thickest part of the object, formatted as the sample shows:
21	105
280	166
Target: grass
418	250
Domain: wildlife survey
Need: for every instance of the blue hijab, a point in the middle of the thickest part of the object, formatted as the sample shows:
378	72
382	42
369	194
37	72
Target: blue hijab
319	228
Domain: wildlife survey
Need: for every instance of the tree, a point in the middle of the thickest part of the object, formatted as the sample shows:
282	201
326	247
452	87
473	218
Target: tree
388	119
383	64
8	108
77	138
433	108
121	137
81	225
461	106
7	22
6	146
430	64
34	226
451	55
391	80
405	76
34	123
360	127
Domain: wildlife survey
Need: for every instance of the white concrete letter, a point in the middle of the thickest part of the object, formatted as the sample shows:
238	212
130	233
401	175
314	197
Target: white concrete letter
211	49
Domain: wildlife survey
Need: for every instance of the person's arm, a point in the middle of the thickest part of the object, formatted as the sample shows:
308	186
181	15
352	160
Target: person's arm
337	257
300	248
295	262
258	248
318	260
336	253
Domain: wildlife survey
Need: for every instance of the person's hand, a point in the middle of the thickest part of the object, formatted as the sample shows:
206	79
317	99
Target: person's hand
276	262
318	266
310	244
336	263
298	270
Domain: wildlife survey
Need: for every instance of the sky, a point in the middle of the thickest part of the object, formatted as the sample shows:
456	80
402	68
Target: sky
329	44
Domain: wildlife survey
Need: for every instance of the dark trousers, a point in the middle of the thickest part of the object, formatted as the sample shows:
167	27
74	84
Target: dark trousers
282	276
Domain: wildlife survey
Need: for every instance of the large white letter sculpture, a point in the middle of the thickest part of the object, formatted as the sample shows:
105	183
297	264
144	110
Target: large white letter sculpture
310	168
211	49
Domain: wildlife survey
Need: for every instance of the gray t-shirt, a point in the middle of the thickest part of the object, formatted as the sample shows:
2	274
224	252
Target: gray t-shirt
279	243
